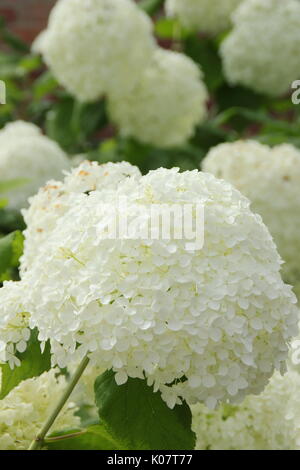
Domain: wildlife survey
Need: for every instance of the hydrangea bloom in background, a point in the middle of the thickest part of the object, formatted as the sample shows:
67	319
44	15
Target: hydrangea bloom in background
270	421
206	325
25	409
93	46
14	330
28	155
262	51
270	178
210	16
166	105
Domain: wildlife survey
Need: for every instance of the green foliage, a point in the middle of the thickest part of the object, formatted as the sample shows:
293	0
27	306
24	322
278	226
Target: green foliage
9	185
147	157
33	363
204	51
170	28
139	418
10	220
72	124
150	6
11	248
44	85
93	438
10	39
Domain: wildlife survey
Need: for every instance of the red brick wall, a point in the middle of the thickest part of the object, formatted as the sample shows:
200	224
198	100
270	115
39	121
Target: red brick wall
26	18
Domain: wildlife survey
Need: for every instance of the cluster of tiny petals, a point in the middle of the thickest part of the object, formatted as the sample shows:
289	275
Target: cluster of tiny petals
270	421
26	154
270	178
261	52
209	16
207	325
56	198
90	44
14	330
166	104
25	409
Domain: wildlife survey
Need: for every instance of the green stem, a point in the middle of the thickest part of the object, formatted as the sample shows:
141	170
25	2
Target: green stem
65	436
38	441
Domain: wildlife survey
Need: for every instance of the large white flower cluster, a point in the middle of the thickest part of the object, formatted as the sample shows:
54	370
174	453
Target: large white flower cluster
270	421
26	154
14	330
166	104
206	325
56	198
93	46
25	409
210	16
156	96
262	51
270	178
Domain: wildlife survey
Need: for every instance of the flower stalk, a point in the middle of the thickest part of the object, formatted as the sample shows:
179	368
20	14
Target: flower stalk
38	441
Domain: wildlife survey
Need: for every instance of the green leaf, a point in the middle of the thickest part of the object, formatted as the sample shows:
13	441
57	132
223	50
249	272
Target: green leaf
6	186
93	438
10	220
3	203
238	96
44	85
58	123
33	364
71	123
139	418
150	6
11	248
204	51
13	41
90	117
170	28
30	63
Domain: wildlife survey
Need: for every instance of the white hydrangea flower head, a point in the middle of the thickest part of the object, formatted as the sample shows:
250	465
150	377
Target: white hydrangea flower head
270	178
293	361
25	409
207	325
19	130
270	421
26	154
93	46
14	330
262	51
166	105
209	16
56	198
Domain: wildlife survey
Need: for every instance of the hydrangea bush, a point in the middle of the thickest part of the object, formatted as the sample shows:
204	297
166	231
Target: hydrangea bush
270	178
24	410
166	104
272	420
257	53
145	341
96	34
30	157
210	16
191	323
